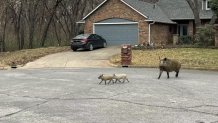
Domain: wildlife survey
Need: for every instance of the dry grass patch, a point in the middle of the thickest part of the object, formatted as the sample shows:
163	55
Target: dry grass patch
24	56
189	57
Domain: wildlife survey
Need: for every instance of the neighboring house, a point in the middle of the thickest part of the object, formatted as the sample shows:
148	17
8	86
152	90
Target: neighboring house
143	21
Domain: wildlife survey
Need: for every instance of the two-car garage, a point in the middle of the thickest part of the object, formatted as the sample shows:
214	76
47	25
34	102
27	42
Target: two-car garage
117	31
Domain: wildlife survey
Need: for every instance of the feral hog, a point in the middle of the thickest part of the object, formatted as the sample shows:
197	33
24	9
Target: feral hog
118	77
105	77
169	65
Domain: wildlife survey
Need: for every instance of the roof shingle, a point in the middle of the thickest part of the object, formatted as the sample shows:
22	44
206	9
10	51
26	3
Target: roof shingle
152	11
164	11
179	10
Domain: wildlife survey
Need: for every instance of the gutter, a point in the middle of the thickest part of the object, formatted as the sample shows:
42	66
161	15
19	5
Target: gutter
149	32
80	22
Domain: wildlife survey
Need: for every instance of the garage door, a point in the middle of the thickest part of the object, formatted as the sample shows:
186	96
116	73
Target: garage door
118	33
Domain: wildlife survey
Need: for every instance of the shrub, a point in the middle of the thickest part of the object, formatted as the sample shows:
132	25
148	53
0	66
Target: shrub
205	36
185	40
214	6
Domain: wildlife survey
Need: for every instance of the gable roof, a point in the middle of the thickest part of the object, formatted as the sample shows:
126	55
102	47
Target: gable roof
108	0
164	11
95	9
152	11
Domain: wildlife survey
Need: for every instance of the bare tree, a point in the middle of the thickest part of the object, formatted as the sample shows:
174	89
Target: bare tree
52	13
194	5
31	15
16	12
30	23
3	24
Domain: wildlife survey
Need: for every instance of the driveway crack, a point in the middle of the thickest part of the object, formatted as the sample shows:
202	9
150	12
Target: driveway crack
199	106
187	109
9	95
173	108
14	113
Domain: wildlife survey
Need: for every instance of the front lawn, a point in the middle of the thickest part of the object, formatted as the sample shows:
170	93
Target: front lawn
27	55
193	58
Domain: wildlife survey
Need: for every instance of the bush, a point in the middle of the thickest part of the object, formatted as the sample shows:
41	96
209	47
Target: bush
185	40
205	36
214	6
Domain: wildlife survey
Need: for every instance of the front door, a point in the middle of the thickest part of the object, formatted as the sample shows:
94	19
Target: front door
183	29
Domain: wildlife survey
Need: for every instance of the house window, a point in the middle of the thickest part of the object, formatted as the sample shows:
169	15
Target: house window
208	5
183	29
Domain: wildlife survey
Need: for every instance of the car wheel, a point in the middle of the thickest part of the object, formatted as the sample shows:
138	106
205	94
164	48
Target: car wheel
73	48
90	47
104	44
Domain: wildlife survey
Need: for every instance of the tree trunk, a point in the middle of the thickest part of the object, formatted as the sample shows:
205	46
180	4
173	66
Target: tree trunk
31	34
56	33
22	35
45	32
195	9
3	32
17	15
32	19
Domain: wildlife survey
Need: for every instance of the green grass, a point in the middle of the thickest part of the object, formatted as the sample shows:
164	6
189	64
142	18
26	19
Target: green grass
193	58
24	56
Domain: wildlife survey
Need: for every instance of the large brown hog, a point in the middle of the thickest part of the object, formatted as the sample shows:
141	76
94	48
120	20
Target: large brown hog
169	65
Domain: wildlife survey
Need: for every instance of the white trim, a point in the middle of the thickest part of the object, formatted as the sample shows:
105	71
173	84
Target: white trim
161	22
93	30
106	1
94	9
207	5
149	32
81	22
149	20
138	42
119	23
134	9
202	4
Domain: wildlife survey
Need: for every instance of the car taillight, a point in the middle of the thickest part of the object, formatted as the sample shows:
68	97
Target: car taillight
84	40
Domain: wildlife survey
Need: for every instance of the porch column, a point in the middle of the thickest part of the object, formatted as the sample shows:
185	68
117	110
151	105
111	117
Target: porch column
175	39
191	28
216	35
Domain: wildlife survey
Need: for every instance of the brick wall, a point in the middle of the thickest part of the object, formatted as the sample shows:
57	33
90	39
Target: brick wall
160	34
191	28
117	9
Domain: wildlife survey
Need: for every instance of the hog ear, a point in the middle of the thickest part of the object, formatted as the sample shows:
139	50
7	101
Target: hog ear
165	59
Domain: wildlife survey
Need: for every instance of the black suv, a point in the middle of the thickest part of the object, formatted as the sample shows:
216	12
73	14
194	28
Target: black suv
88	41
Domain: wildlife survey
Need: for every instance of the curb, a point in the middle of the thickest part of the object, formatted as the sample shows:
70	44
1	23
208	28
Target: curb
143	66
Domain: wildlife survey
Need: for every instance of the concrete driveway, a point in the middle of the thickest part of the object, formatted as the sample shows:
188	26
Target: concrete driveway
81	58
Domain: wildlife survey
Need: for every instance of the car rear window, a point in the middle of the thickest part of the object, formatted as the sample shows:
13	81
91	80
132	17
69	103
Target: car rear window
82	36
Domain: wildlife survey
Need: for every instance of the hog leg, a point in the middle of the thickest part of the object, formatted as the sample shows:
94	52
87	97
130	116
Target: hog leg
168	76
160	74
177	73
101	82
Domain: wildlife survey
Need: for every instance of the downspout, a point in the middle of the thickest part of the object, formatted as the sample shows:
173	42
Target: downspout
149	32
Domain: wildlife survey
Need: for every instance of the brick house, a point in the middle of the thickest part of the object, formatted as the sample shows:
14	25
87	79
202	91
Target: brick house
143	21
